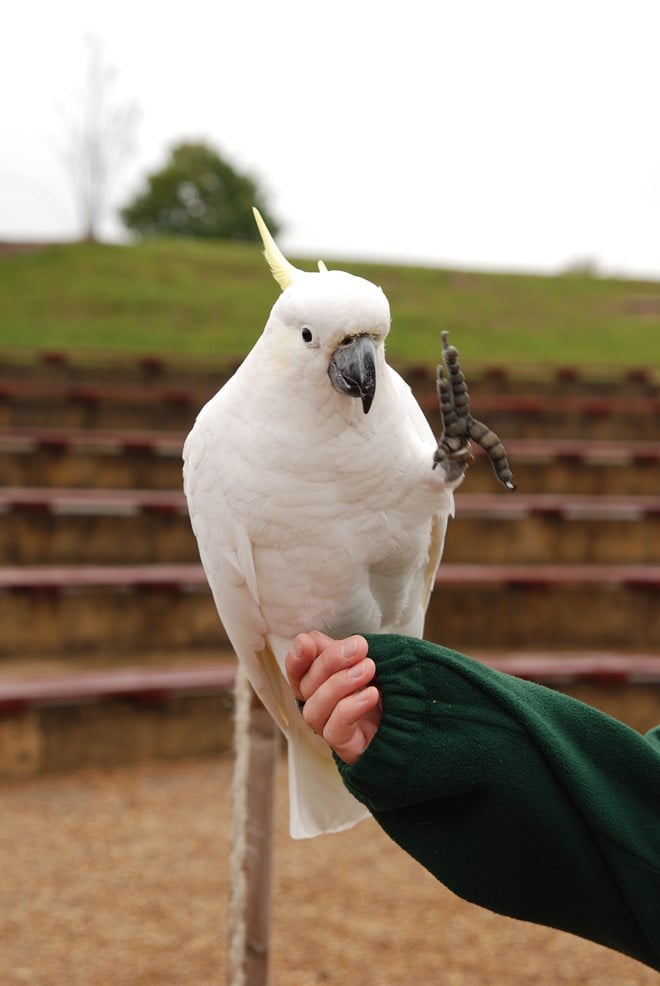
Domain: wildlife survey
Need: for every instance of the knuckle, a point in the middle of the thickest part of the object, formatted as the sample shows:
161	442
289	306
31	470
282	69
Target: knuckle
308	715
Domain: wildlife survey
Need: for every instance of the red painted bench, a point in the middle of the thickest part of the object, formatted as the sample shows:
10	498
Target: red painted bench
190	577
570	667
615	405
118	441
77	577
567	507
624	453
120	502
143	684
531	576
114	393
84	440
638	376
190	396
156	363
152	685
116	502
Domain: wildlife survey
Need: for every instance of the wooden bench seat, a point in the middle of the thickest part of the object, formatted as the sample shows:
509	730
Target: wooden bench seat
190	577
38	456
570	506
52	526
113	502
538	576
132	404
135	392
127	609
77	719
160	684
29	440
142	683
71	578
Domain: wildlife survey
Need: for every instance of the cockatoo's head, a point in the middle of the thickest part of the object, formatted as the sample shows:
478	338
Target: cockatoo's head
328	321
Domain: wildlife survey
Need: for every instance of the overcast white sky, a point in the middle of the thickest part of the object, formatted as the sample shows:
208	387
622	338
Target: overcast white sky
501	134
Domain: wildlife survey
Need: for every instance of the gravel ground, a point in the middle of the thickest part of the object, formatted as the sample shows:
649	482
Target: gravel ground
120	877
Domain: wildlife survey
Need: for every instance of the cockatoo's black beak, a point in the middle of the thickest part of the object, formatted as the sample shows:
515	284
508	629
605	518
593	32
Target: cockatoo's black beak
352	369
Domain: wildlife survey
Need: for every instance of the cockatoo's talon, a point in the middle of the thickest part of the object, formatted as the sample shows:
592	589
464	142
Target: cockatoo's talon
458	425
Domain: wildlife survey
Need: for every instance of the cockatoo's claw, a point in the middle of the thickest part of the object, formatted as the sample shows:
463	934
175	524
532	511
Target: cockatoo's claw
459	427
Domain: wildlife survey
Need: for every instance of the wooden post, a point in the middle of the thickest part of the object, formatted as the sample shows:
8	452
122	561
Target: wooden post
256	739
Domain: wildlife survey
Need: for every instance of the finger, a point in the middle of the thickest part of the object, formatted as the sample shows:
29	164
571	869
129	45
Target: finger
298	660
321	704
350	728
332	656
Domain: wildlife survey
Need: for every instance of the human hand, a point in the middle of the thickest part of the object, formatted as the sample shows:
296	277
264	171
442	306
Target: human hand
332	678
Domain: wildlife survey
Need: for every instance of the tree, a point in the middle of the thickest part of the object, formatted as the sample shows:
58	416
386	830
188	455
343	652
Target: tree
198	194
98	137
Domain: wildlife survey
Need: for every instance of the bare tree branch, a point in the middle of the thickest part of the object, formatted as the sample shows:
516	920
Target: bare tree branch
99	136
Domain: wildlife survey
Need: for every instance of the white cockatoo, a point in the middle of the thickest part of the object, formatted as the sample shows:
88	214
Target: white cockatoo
314	499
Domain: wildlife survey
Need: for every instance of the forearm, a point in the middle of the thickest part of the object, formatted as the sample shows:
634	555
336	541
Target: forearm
516	797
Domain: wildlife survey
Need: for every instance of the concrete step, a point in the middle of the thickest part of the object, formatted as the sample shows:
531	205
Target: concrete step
131	610
79	457
53	722
54	526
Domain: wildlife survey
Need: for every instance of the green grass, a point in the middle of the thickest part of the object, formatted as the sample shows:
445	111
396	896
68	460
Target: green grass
210	301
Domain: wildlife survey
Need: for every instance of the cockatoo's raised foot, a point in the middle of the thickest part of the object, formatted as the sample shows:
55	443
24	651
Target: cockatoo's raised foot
459	427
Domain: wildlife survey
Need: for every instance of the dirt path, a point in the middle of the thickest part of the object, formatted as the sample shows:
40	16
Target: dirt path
118	878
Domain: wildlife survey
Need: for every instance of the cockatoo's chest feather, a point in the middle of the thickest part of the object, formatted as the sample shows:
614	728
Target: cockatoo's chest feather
338	508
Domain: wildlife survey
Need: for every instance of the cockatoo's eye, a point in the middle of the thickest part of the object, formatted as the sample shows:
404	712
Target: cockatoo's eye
307	334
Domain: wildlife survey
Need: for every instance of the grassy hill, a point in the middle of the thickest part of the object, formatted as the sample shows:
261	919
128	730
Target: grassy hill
210	301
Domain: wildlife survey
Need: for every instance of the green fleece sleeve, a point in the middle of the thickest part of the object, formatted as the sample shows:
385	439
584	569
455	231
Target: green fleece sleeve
518	798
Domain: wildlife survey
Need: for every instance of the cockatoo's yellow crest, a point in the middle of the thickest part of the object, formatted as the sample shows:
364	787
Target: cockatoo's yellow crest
283	272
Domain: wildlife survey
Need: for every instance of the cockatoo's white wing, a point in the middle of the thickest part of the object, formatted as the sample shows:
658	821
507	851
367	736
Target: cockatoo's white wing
419	426
319	802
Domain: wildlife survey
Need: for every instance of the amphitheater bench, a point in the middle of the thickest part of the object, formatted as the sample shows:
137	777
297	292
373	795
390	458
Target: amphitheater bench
159	685
111	502
565	668
148	685
108	443
113	393
137	393
29	440
542	404
121	502
190	577
562	506
624	453
54	579
547	576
